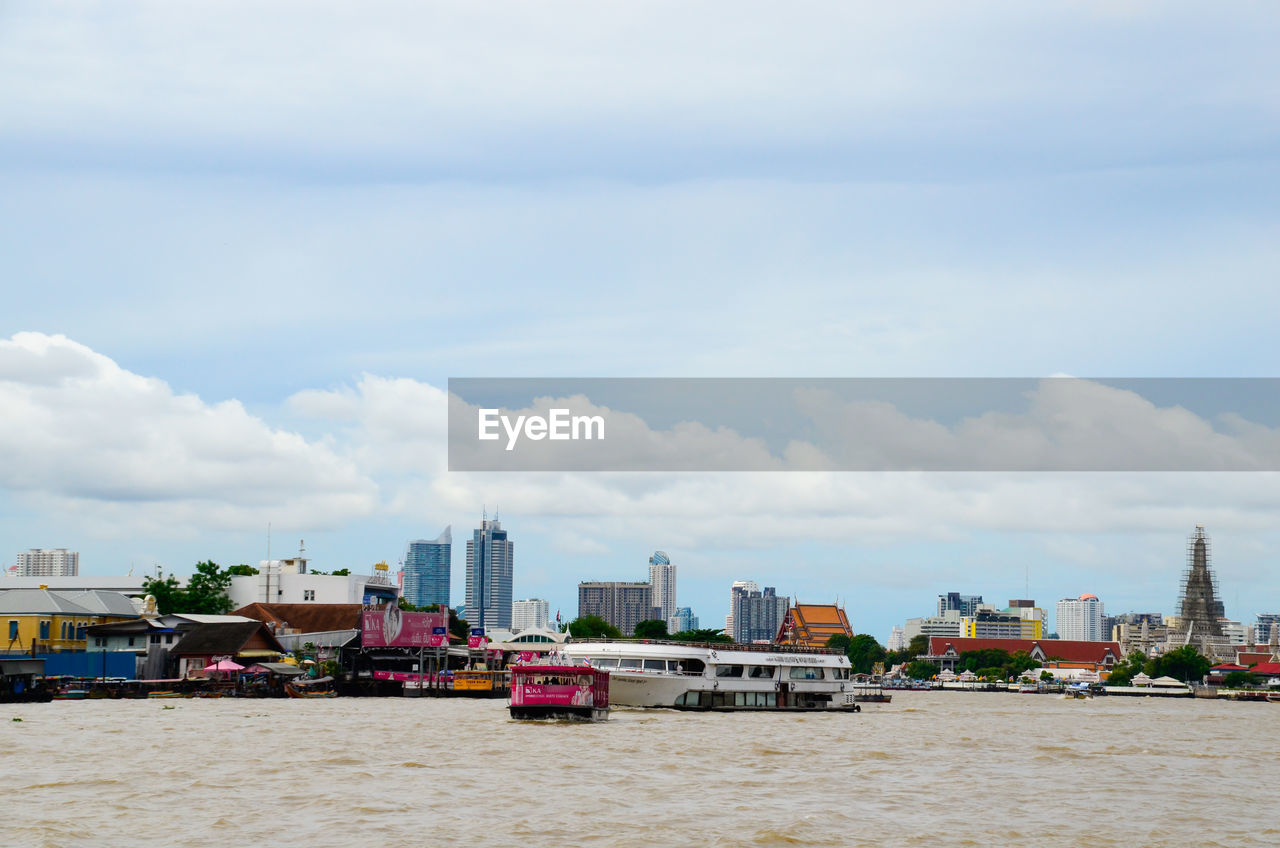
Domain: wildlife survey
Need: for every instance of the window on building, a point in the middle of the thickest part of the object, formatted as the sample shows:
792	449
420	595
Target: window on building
155	638
13	630
168	638
130	641
308	594
44	630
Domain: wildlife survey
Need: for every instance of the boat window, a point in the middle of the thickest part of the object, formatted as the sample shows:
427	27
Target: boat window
693	666
728	671
740	699
762	671
629	662
842	674
806	673
605	662
656	665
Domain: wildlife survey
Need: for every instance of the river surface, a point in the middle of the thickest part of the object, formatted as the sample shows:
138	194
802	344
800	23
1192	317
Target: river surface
929	769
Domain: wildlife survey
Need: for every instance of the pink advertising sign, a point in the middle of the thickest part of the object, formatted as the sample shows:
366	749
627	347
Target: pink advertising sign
389	626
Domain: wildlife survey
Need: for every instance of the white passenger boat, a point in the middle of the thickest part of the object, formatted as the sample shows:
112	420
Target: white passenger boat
720	677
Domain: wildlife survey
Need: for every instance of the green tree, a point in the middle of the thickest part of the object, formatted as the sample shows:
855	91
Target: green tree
651	629
1241	680
168	594
704	635
342	572
1185	664
207	590
864	652
918	646
1123	672
242	570
593	627
921	670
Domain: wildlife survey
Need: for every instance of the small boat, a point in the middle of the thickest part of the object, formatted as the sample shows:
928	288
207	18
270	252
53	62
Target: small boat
559	690
321	687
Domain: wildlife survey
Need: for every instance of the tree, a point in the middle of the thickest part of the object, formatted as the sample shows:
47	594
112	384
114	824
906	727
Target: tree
341	572
918	646
1123	672
1185	664
242	570
593	627
168	594
1241	680
863	651
921	670
651	629
704	635
207	590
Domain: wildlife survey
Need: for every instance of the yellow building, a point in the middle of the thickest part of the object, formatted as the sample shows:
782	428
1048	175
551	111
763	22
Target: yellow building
1001	625
56	621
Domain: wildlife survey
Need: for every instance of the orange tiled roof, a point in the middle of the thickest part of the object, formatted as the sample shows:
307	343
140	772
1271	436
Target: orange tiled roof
813	624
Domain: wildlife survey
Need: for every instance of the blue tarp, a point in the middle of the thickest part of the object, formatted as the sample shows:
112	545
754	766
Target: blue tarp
91	664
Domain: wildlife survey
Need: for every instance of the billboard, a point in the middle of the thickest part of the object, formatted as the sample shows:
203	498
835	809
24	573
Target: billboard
390	626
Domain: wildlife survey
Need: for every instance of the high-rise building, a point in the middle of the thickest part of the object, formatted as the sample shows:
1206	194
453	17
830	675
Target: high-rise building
683	620
48	562
757	615
965	604
897	639
1082	619
750	586
490	557
662	577
426	570
531	612
624	605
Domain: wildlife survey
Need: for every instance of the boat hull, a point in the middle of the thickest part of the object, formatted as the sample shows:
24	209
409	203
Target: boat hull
546	712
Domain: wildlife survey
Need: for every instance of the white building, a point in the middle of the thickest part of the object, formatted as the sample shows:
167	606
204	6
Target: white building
683	620
897	639
662	577
948	624
48	562
290	581
1081	619
530	613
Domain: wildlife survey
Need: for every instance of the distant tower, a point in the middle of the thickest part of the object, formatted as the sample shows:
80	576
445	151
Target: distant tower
490	556
427	565
1199	608
662	577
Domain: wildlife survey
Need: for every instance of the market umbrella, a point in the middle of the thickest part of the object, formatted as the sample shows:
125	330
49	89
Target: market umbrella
224	665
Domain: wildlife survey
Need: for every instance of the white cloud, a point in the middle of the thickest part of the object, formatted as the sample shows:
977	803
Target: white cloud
79	433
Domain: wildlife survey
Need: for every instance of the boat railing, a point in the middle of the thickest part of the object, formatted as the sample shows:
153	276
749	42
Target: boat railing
718	646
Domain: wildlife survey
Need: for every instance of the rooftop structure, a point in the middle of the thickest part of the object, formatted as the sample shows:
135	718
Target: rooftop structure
811	625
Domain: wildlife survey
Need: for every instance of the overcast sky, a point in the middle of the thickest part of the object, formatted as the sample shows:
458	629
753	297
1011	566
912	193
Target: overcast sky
244	246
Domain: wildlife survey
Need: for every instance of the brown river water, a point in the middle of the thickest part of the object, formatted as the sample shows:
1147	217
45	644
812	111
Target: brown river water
928	769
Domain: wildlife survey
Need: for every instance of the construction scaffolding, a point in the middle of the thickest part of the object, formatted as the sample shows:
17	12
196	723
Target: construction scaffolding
1200	612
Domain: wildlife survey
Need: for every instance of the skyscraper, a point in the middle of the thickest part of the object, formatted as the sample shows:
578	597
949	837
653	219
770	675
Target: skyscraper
757	615
426	570
1081	619
490	556
662	577
750	586
966	604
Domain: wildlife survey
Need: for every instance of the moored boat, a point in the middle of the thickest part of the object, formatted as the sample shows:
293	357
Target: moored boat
720	677
552	690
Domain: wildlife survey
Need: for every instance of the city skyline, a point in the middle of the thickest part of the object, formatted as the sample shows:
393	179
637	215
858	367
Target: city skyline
314	255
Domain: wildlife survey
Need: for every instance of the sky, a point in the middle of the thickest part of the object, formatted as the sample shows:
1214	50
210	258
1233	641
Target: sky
244	246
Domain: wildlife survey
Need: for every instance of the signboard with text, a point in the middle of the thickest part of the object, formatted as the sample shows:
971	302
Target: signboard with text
390	626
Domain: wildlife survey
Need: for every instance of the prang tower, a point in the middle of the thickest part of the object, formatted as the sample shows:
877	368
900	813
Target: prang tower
1199	609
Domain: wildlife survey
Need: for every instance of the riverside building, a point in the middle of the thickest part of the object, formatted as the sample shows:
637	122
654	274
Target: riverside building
662	577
